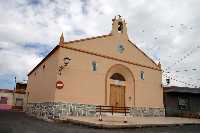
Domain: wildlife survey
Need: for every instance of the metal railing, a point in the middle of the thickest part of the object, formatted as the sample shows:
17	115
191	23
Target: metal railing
112	109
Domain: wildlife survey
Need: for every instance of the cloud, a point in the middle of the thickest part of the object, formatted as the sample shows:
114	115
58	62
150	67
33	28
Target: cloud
17	60
41	49
165	30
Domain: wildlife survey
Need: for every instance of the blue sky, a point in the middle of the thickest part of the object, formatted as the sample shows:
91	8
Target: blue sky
165	30
41	49
7	79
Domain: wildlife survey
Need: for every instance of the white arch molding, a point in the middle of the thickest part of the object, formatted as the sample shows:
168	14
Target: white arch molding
129	83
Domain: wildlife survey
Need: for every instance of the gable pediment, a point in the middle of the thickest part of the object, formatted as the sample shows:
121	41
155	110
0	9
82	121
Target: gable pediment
113	47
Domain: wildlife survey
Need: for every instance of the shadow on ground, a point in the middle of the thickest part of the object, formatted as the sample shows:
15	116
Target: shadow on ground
15	122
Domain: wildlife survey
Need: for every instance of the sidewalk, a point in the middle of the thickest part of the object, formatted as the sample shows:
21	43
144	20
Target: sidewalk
118	121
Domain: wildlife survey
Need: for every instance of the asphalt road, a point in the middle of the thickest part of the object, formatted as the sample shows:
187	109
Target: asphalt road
13	122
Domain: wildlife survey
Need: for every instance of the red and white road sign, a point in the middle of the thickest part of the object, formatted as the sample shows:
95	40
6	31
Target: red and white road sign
59	84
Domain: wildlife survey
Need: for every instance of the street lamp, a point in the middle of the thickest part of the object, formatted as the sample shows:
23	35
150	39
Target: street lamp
66	61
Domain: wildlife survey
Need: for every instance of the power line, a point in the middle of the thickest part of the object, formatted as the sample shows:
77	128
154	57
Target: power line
184	70
184	57
183	82
187	78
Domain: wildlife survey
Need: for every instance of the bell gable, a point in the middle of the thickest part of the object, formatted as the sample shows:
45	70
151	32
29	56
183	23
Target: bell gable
116	45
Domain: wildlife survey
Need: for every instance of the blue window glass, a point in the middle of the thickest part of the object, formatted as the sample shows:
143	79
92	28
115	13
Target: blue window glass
94	66
142	75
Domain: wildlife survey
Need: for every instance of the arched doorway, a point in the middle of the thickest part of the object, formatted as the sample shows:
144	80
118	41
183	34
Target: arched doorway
117	90
119	87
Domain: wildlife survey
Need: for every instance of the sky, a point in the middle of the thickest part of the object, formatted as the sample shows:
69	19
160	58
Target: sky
167	31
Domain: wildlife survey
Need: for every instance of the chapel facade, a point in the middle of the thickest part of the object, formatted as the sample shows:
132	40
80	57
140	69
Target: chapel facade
104	70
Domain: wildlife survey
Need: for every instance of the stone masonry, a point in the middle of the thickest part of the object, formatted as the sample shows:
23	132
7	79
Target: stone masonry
145	112
52	110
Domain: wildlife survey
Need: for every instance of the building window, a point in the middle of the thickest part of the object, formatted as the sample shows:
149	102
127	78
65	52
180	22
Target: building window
117	76
43	66
94	65
183	103
142	75
120	48
3	100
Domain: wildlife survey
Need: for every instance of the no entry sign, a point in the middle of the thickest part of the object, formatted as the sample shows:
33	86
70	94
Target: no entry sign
59	84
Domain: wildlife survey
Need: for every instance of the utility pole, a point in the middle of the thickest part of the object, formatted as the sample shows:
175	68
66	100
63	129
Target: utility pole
15	84
14	103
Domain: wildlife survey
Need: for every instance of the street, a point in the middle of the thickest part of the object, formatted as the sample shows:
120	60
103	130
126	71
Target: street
15	122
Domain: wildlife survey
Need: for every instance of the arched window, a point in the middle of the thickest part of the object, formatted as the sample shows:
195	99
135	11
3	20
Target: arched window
120	26
117	76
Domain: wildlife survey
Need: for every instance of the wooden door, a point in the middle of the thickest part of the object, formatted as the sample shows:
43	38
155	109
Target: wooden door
117	95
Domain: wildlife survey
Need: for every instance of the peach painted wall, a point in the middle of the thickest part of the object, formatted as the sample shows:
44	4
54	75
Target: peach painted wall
41	82
82	85
148	92
78	78
108	46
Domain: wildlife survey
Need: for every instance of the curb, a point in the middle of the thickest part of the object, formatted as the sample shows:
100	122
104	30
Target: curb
104	126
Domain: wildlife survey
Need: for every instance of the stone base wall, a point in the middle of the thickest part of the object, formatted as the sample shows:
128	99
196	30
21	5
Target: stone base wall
147	112
52	110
